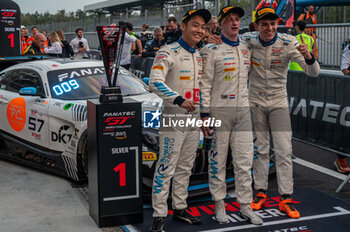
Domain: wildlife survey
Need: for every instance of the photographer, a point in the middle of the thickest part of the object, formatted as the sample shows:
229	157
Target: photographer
80	45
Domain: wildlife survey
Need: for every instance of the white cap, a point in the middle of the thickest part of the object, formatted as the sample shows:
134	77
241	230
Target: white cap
23	27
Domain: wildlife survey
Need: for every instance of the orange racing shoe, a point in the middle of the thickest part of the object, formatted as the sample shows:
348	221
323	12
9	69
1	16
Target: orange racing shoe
287	206
259	200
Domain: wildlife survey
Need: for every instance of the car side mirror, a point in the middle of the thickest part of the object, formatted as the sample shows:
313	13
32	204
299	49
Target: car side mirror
29	91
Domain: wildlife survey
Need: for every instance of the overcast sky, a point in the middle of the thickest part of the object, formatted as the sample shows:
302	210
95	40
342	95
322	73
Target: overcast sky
52	5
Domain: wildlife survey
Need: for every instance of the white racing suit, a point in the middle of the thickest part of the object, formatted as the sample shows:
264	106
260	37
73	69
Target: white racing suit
175	76
225	97
269	105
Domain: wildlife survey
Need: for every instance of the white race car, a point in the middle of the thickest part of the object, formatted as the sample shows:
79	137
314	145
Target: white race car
43	120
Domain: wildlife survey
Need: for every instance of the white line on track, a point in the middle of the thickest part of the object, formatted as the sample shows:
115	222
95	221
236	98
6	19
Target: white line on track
319	168
340	211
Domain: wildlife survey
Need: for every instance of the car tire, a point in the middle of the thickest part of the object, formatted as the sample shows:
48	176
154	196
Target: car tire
82	158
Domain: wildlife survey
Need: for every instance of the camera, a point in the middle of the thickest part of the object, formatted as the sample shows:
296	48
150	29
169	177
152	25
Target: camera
81	44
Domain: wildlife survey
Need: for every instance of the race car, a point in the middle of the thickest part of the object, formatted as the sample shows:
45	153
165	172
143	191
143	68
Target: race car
43	120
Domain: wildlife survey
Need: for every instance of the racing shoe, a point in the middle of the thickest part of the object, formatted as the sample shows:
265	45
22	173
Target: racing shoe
158	224
341	165
182	215
247	213
259	200
286	205
220	212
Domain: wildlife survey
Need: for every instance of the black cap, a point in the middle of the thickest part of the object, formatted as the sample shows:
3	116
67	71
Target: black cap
202	12
265	12
230	9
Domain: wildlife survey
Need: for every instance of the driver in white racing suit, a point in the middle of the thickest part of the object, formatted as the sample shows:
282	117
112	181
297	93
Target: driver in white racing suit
271	54
175	77
225	97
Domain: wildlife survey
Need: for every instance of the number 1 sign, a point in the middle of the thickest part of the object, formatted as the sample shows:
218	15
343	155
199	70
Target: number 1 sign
115	188
10	22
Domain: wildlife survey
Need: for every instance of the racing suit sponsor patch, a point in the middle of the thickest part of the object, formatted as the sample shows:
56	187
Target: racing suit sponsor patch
229	69
228	96
185	78
191	94
158	67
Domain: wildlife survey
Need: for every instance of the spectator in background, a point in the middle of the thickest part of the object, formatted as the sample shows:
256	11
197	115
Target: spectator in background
152	46
67	50
213	24
300	30
56	45
145	35
310	18
44	32
130	30
345	62
164	29
128	40
24	38
207	34
79	44
174	33
37	46
340	163
31	38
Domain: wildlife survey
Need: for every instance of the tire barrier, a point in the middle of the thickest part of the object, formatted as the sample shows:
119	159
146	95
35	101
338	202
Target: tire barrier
320	109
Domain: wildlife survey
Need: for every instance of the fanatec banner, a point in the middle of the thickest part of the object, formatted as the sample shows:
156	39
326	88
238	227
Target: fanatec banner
320	108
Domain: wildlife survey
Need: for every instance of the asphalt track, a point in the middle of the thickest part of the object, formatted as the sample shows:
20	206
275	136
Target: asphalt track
31	200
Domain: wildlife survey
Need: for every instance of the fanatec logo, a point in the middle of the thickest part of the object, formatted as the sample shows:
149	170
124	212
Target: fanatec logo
118	118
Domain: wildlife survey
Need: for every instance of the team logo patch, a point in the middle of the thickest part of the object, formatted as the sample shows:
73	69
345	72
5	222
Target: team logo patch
16	113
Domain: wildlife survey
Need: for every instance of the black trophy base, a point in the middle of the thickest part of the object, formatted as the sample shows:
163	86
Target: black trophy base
118	220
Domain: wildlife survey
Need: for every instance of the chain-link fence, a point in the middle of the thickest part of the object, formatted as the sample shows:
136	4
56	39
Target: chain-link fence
331	39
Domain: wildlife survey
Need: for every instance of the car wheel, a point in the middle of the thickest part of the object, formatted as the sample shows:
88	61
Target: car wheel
82	158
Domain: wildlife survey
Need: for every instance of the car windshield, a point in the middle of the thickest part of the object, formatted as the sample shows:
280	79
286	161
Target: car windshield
85	83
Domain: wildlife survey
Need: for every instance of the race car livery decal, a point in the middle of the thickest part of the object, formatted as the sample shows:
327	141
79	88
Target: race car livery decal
71	167
79	112
16	113
61	136
67	106
58	104
149	156
41	102
36	121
